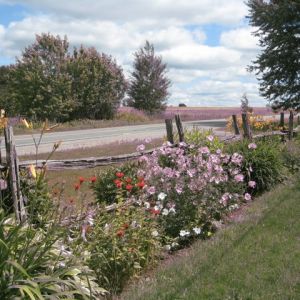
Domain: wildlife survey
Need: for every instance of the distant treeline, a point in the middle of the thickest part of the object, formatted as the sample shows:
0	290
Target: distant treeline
50	81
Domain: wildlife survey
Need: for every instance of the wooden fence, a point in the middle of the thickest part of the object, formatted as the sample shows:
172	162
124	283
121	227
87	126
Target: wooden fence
12	165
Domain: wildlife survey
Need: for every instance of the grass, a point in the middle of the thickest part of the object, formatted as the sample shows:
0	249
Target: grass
256	258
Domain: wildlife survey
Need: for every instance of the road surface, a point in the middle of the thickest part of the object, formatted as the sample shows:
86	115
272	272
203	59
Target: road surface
99	136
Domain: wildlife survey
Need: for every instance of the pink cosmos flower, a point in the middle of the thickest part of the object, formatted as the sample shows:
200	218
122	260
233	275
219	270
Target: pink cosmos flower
210	138
247	197
140	148
252	146
252	184
239	178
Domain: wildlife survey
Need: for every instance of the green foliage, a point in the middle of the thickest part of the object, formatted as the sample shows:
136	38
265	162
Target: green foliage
202	138
98	84
291	155
263	165
149	85
109	185
49	82
121	244
35	264
278	64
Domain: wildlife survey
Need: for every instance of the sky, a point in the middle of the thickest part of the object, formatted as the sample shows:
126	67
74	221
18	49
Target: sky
207	44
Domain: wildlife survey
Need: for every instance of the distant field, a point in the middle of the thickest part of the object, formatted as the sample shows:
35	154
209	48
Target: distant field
208	113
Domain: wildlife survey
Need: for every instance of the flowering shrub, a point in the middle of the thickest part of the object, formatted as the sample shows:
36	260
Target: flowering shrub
196	187
262	162
121	244
256	122
118	180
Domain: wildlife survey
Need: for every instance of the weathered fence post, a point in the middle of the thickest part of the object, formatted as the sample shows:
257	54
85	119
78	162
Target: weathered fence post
179	128
246	127
169	127
235	125
281	122
291	125
14	175
298	120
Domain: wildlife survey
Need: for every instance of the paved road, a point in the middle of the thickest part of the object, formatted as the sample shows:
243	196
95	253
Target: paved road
100	136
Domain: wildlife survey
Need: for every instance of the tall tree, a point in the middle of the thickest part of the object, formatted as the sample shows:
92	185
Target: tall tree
39	80
98	84
5	102
278	65
149	85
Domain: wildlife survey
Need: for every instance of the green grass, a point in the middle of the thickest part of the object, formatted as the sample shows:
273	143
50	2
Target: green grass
256	258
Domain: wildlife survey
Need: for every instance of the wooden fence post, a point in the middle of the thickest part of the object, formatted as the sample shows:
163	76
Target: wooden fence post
246	127
169	127
179	128
291	125
235	125
281	123
14	175
298	120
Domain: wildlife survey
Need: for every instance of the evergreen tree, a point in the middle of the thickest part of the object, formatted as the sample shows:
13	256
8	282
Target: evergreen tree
278	65
149	85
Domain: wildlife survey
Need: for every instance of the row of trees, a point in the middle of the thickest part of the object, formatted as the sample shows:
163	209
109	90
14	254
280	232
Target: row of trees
48	81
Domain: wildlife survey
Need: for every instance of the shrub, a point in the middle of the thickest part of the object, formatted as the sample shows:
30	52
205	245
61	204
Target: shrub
182	105
291	156
186	188
116	180
121	244
262	162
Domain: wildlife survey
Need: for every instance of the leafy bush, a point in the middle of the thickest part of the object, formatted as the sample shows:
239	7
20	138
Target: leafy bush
262	162
291	155
203	138
36	264
116	180
121	244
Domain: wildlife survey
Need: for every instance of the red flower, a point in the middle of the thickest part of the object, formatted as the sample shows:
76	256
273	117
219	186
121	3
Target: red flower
81	180
141	179
118	183
125	226
128	180
141	184
120	233
120	174
93	179
155	211
76	186
129	187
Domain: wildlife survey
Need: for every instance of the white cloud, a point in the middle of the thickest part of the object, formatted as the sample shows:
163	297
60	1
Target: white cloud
240	38
193	11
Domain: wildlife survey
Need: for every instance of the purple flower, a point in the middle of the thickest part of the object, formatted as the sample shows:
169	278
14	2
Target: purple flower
151	190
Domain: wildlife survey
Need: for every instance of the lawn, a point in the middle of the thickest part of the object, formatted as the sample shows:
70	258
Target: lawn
257	256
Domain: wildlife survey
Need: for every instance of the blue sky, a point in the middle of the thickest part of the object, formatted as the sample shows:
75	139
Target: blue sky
207	44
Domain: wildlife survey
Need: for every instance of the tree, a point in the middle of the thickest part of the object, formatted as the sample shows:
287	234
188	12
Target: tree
5	101
278	65
98	84
39	80
149	85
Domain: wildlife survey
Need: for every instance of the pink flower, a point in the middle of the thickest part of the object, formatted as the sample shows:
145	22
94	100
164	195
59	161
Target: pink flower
252	146
252	184
239	178
140	148
151	190
247	197
210	138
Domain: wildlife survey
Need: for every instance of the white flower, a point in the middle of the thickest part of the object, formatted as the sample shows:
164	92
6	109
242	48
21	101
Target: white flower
210	138
184	233
165	212
174	244
247	197
161	196
154	233
147	205
197	230
168	247
172	210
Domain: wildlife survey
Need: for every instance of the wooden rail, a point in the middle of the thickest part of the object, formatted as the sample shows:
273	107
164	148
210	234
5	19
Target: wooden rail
92	162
